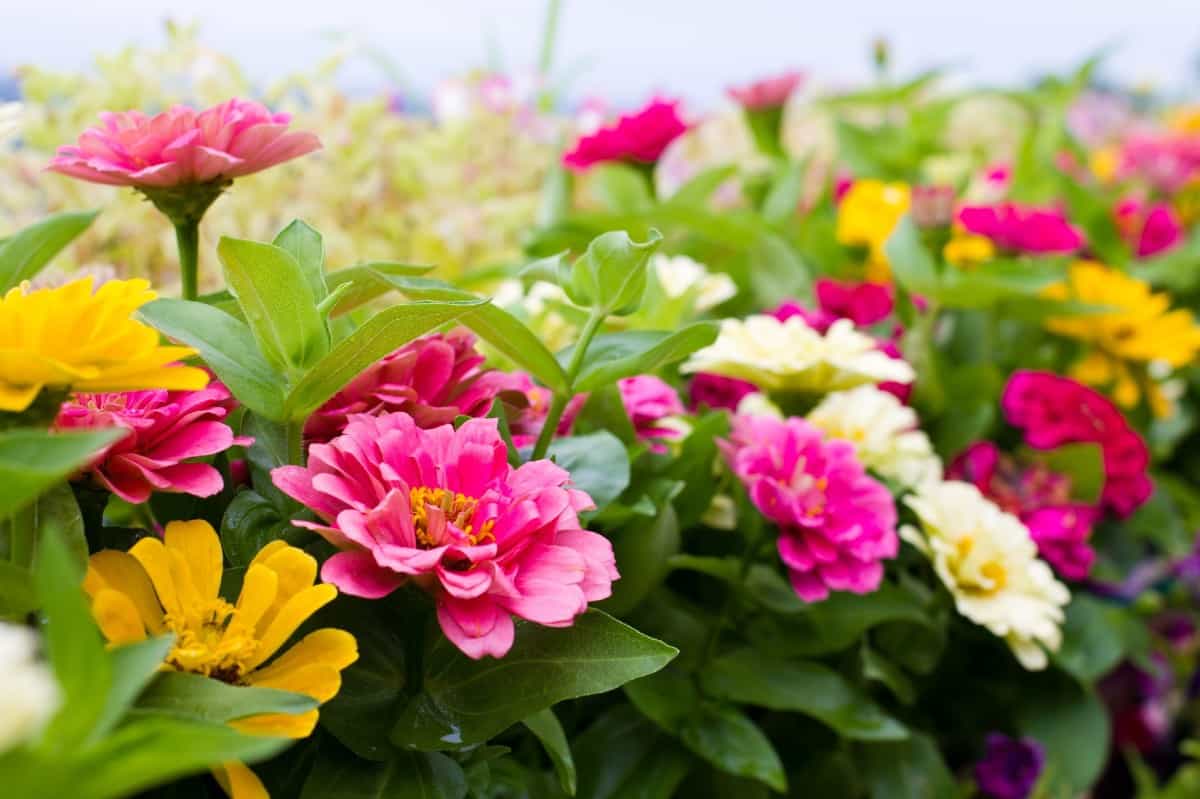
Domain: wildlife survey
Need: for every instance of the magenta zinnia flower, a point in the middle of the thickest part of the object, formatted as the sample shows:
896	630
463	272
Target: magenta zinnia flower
768	92
165	430
1150	229
434	379
1019	228
836	524
648	400
183	146
717	392
444	508
639	137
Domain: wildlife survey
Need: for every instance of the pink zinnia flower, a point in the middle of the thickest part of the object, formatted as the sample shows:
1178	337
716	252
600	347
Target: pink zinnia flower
434	379
165	430
1168	162
766	93
525	421
648	400
183	146
639	137
1149	229
836	524
444	508
1019	228
1053	410
717	392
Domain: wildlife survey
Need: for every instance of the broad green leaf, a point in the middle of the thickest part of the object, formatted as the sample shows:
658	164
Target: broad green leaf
460	705
368	281
912	265
133	666
381	335
1073	726
612	356
597	462
54	507
31	461
278	303
251	521
1094	637
624	756
750	677
908	769
194	696
643	548
546	727
610	276
308	248
406	775
620	188
17	597
227	347
23	254
734	744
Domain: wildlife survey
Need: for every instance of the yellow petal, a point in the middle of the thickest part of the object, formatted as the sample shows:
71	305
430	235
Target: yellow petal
157	562
317	680
120	571
278	725
290	616
117	617
269	550
201	549
329	646
297	570
259	587
16	398
239	782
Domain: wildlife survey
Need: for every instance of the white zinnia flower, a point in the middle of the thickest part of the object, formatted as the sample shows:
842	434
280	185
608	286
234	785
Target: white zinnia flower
791	356
989	562
30	693
679	274
11	115
884	432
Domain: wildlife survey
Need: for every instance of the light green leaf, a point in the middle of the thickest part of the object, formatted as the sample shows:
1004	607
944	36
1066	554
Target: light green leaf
133	666
194	696
612	356
54	507
783	200
611	274
697	190
1082	462
912	265
23	254
31	461
620	188
368	281
17	597
546	727
308	248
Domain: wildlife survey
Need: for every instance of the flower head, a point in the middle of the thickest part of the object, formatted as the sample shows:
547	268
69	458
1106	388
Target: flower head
1010	768
792	356
988	561
768	92
434	379
173	586
717	391
836	524
867	215
680	276
1020	228
164	429
69	338
444	508
1150	229
639	137
31	694
526	420
182	146
650	401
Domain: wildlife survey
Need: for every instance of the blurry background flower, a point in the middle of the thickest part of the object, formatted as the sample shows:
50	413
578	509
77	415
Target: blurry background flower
31	695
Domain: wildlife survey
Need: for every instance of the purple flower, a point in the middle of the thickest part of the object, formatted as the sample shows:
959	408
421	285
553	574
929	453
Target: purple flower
1010	767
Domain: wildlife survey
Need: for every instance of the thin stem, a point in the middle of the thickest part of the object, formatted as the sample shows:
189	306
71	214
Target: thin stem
24	533
546	58
559	404
294	432
187	237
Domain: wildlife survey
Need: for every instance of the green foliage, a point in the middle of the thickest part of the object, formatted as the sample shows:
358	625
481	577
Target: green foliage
26	252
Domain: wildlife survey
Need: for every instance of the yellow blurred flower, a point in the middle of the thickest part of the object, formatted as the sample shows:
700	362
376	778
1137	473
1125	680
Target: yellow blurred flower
1184	119
966	250
1141	329
172	586
867	215
69	338
1104	162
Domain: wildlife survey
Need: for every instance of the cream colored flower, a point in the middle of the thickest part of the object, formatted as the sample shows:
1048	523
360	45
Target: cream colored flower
678	275
989	562
884	432
791	356
30	694
757	403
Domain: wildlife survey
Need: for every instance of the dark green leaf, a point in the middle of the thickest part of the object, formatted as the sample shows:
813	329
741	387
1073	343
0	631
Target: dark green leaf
644	549
909	769
624	756
612	356
597	462
252	521
1073	726
194	696
733	743
546	727
407	775
23	254
54	507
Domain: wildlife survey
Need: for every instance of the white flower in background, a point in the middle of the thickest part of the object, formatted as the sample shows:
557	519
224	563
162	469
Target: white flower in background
989	562
30	693
10	120
758	404
719	139
989	125
884	432
678	275
791	356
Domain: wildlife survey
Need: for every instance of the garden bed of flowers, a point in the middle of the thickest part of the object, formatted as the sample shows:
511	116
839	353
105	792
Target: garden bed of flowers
833	443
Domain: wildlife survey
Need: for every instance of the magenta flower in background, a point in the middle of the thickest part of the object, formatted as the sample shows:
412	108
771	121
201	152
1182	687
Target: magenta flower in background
183	146
444	508
1010	767
165	430
1020	228
768	92
526	419
836	524
1167	162
639	137
717	392
648	400
434	379
1149	229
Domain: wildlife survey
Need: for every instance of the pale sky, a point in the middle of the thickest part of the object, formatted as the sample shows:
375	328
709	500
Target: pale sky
625	49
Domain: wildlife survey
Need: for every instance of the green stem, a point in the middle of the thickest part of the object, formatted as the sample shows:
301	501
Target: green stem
546	58
559	404
294	432
24	533
187	237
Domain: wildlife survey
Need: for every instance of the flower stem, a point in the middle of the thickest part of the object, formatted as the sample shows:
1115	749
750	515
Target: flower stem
24	532
187	237
294	433
559	404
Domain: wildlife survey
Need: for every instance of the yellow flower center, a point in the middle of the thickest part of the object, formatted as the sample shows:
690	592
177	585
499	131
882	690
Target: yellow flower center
986	578
450	509
211	640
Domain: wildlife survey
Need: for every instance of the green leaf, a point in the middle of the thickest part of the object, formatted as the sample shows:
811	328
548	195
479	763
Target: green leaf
697	190
227	347
546	727
194	696
1073	726
251	521
776	270
783	200
305	244
733	743
624	756
1094	638
23	254
612	356
133	666
751	677
17	597
611	274
643	549
460	705
407	775
278	303
620	188
1083	463
597	462
909	769
55	507
382	334
912	265
367	281
31	461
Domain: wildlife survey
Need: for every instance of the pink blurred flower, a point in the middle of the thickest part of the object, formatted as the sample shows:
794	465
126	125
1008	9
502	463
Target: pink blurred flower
1167	162
717	391
639	137
526	420
1149	229
183	146
836	524
1021	228
768	92
434	379
444	508
648	400
165	430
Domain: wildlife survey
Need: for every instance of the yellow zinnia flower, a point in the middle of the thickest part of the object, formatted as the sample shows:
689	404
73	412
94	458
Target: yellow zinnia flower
867	215
966	250
69	338
172	586
1140	330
